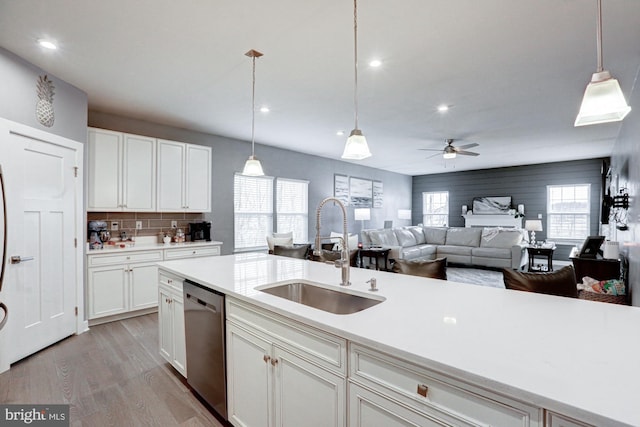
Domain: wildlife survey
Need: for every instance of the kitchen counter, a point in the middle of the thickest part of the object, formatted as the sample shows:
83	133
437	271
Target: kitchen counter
575	357
144	246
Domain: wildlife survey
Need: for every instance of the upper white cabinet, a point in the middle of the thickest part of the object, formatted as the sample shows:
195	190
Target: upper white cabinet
122	172
184	177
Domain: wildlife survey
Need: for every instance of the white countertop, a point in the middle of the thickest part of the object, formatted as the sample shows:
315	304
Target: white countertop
575	357
145	246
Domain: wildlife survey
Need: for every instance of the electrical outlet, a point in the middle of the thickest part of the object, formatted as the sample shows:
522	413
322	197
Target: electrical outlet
114	226
138	225
539	216
174	224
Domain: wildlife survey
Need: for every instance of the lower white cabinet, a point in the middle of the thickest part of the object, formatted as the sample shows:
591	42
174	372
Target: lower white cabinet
171	322
119	286
272	382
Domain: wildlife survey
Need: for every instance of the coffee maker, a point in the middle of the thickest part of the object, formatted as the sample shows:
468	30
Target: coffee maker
200	231
98	233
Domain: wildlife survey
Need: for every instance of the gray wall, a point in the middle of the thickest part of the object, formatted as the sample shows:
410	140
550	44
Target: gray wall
229	156
525	184
18	92
625	165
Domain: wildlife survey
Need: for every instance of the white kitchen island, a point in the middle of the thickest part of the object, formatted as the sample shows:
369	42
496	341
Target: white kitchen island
562	357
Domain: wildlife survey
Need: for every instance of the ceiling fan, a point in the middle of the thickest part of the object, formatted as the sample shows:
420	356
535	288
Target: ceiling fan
450	152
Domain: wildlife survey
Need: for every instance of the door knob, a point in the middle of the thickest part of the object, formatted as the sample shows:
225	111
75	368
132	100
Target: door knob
17	259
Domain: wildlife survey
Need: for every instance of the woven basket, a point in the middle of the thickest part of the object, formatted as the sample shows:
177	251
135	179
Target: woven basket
613	299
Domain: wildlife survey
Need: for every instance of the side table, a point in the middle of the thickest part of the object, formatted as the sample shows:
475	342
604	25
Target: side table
547	253
375	254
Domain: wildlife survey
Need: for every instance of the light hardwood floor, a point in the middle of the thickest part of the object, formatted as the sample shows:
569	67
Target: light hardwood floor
110	376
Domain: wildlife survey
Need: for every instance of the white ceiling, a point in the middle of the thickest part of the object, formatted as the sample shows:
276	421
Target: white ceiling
513	71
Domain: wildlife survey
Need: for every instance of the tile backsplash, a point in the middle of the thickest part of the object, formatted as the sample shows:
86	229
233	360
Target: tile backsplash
153	224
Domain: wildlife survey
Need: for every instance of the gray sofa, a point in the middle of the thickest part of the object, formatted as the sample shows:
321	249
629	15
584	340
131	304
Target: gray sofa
488	247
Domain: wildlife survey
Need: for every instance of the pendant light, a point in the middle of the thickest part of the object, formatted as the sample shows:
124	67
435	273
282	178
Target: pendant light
356	147
603	100
252	167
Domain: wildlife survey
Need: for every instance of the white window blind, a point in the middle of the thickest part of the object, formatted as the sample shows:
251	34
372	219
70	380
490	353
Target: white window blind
292	208
252	211
568	214
435	208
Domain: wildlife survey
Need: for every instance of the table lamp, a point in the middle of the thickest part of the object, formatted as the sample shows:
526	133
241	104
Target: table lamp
533	225
362	215
404	214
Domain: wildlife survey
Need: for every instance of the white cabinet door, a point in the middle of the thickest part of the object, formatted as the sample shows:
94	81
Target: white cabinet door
107	291
143	285
184	177
165	323
104	170
179	360
122	172
139	173
369	409
198	178
171	172
249	390
305	394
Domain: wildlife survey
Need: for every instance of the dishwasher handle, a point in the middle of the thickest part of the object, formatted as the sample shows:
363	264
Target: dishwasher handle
203	303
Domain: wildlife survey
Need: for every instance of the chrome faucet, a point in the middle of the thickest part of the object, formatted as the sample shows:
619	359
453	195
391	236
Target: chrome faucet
343	262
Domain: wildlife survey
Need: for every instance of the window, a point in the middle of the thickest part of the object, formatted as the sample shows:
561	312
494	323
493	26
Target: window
435	209
292	208
568	211
252	211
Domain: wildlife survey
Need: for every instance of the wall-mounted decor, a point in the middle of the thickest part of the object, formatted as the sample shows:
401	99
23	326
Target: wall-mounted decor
491	205
341	188
378	194
361	192
44	107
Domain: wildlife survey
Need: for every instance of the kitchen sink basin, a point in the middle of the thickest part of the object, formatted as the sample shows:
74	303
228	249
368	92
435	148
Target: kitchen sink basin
323	298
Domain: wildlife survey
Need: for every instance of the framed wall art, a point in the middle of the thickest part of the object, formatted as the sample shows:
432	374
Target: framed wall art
341	188
361	192
378	194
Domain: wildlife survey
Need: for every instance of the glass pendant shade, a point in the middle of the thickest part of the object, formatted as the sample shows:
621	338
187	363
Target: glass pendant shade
603	101
356	147
252	167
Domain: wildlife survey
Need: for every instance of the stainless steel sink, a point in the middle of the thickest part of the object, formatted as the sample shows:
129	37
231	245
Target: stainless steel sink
323	298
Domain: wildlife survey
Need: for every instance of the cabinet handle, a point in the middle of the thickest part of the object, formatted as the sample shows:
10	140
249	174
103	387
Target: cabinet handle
274	362
169	281
266	358
423	389
194	252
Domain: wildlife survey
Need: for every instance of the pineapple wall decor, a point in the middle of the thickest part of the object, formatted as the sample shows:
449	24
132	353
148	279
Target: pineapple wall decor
44	107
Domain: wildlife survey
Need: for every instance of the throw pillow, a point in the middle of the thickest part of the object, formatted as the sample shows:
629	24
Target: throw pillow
352	241
435	269
562	282
281	239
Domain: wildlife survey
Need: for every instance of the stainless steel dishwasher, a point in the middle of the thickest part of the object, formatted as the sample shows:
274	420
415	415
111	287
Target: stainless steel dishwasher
205	337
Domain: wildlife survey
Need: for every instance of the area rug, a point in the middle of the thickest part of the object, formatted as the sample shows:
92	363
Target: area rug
476	276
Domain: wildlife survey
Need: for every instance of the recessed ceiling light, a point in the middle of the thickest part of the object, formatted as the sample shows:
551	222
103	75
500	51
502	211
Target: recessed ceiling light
443	108
264	109
48	44
340	133
375	63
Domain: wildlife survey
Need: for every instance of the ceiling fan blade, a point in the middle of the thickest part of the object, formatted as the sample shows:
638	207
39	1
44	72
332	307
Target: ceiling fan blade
467	153
464	147
433	155
430	149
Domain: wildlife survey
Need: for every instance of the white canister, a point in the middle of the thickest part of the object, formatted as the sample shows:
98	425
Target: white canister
611	250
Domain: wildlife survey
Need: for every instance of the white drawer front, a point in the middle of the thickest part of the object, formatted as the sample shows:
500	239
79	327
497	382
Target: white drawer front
191	252
170	280
327	350
124	258
408	383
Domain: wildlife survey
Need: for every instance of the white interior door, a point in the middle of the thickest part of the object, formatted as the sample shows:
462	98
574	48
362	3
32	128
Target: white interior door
42	263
